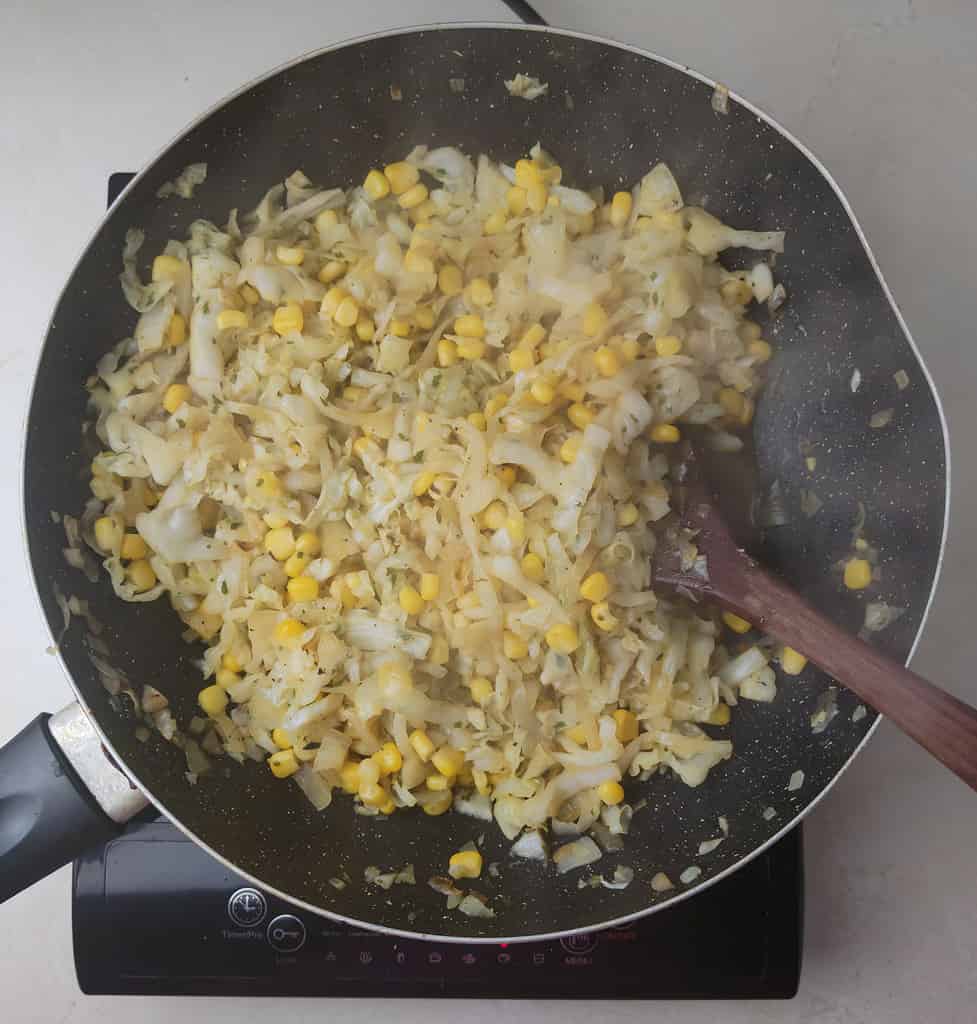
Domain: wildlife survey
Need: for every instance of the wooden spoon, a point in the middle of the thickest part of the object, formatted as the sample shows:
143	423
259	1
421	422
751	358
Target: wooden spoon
937	721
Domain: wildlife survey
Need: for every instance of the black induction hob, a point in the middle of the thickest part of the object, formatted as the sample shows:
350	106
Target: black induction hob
152	913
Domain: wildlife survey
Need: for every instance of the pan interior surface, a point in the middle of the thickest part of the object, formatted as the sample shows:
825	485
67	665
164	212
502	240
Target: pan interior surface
609	115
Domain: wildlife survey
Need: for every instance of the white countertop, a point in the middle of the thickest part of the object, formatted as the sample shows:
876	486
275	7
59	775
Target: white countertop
882	90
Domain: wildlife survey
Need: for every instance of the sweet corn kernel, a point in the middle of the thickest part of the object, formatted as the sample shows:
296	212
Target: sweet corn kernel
495	405
225	678
611	793
288	319
349	777
175	396
389	758
290	255
339	591
288	632
563	638
331	271
480	292
437	782
422	744
401	176
465	864
281	739
212	700
629	349
372	794
448	761
108	533
543	391
736	292
280	543
450	279
528	173
595	321
326	220
268	485
438	806
627	514
283	764
410	600
732	401
352	393
231	663
736	623
749	330
133	547
494	516
482	690
621	209
478	420
414	196
303	588
423	482
470	348
576	734
513	646
347	313
595	587
365	328
176	331
494	223
470	326
388	806
533	335
570	449
668	345
626	725
515	526
141	575
858	573
418	263
515	200
506	475
760	350
521	359
606	361
430	586
537	196
719	715
308	544
165	268
332	300
424	317
440	651
363	446
399	328
376	185
533	568
792	662
228	319
665	433
602	616
581	415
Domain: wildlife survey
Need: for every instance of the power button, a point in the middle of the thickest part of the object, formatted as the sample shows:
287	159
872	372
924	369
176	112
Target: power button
286	933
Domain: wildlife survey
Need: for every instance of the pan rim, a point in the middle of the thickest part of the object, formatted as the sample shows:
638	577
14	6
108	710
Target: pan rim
648	55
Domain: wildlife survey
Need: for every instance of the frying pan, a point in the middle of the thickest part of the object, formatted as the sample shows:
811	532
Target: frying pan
611	112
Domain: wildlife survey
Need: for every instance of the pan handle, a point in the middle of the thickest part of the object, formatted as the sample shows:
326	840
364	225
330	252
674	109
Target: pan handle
60	795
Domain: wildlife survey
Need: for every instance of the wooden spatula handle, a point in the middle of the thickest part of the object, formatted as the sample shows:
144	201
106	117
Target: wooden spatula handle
940	723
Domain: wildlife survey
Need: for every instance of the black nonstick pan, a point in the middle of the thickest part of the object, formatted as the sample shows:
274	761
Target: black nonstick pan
611	112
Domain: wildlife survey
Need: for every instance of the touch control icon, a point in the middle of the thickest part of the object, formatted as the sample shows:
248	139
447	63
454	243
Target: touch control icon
286	934
579	944
247	908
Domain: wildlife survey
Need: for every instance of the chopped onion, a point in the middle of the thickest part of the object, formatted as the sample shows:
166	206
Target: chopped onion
879	616
902	379
476	905
709	845
769	813
690	874
856	380
881	419
623	876
796	781
661	882
577	854
859	713
530	846
825	710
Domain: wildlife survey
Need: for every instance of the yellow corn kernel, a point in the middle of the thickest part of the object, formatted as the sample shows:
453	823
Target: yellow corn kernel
176	331
749	331
349	777
418	263
281	739
326	220
376	185
388	806
352	393
465	864
401	176
369	771
274	522
423	482
494	223
365	328
528	173
858	573
611	793
363	446
576	734
410	600
448	761
570	449
629	349
303	588
533	335
175	396
495	405
283	764
602	616
212	700
595	587
627	514
665	433
225	678
482	690
332	300
493	516
373	794
521	359
595	321
288	319
268	485
732	401
389	758
348	312
480	292
339	591
141	575
606	361
532	602
108	533
719	715
231	663
736	623
515	200
422	744
288	632
167	267
736	292
506	475
563	638
470	348
533	568
478	420
438	806
792	662
440	651
536	197
399	328
430	586
760	350
437	782
668	345
626	725
572	390
414	196
470	326
621	209
133	547
450	279
424	317
513	646
280	543
308	544
290	255
581	415
543	391
515	526
228	319
331	271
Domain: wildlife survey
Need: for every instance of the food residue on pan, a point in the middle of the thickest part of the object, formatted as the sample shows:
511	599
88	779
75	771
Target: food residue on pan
902	379
720	99
859	713
456	85
880	419
769	813
690	874
796	781
526	87
184	183
661	882
825	710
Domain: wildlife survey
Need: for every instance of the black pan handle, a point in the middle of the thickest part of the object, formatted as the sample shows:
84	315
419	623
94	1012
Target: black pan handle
48	814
